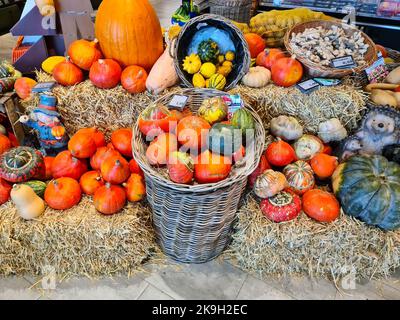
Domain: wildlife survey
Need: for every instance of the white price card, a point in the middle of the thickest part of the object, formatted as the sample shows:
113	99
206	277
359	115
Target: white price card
345	62
178	101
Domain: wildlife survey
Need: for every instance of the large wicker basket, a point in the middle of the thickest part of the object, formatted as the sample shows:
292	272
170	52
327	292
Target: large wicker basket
180	46
193	223
237	10
315	69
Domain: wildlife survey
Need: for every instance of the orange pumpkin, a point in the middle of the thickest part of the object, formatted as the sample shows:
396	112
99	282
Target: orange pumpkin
268	57
65	165
84	53
98	136
129	32
90	182
109	199
159	149
48	163
58	132
105	73
133	79
210	167
122	141
23	87
67	74
135	188
82	145
134	168
115	170
180	167
62	193
5	144
324	165
286	72
5	189
280	153
321	205
101	155
256	44
192	132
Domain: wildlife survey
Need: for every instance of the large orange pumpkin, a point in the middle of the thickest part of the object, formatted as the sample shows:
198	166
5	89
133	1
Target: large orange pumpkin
90	182
122	141
109	199
84	53
135	188
101	155
286	72
321	205
129	32
67	74
192	132
5	144
115	170
133	79
210	167
62	193
23	87
65	165
256	44
105	73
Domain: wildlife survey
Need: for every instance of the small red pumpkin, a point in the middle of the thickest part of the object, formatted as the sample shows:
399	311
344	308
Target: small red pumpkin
101	155
23	87
5	144
67	74
256	44
280	153
122	141
65	165
157	119
134	168
210	167
105	73
284	206
268	57
82	145
135	188
62	193
90	182
160	148
180	167
97	136
109	199
48	163
321	205
5	189
192	132
286	72
133	79
324	165
84	53
262	166
115	170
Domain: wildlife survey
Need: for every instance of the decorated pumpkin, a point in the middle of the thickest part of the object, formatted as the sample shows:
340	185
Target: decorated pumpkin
105	73
180	167
210	167
368	188
321	205
269	183
23	87
129	32
307	147
262	166
268	57
156	119
109	199
158	151
300	176
324	165
284	206
84	53
101	155
22	164
62	193
67	74
192	132
135	188
280	153
243	119
90	182
115	170
133	79
213	110
224	139
256	44
5	189
5	144
286	72
66	165
122	141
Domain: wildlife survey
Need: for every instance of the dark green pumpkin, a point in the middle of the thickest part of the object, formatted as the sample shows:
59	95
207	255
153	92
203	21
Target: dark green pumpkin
37	186
368	188
243	119
208	51
224	139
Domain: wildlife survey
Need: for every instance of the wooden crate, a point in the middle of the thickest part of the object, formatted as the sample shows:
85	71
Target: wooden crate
11	110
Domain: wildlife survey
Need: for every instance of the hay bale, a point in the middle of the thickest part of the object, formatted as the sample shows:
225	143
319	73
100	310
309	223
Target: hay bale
76	242
304	246
344	102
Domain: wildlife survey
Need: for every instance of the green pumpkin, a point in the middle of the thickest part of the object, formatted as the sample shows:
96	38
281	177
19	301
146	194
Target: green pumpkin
368	188
224	139
208	51
37	186
243	119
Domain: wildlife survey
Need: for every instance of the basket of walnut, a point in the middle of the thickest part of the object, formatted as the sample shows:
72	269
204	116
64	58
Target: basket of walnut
317	44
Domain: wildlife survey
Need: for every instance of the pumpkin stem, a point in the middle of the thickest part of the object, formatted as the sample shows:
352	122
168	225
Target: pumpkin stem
117	162
95	41
101	61
124	185
108	185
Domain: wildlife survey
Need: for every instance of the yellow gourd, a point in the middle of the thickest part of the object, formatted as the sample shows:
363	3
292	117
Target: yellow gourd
198	81
217	81
221	59
192	64
224	70
229	56
49	64
208	69
29	205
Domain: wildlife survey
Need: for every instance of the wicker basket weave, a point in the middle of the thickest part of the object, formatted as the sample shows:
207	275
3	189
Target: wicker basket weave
315	69
180	46
236	10
193	223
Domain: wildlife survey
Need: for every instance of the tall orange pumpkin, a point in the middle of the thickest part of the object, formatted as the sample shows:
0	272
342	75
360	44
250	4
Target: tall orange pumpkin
129	32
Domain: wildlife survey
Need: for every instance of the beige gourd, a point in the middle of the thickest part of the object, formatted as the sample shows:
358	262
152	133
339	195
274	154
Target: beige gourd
257	77
383	97
29	205
162	75
270	183
394	76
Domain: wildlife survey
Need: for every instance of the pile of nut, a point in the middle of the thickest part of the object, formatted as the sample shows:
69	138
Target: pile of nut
321	45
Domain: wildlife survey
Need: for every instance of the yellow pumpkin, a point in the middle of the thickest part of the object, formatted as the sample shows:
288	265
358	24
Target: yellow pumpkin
129	32
49	64
192	64
217	81
224	70
198	81
208	69
230	56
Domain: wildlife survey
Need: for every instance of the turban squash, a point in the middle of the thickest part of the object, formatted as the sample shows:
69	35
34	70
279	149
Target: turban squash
129	32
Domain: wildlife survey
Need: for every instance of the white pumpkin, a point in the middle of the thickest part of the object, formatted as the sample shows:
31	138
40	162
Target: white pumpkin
307	147
286	128
257	77
331	130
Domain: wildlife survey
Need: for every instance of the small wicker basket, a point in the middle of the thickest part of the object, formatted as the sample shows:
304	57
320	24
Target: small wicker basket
193	223
180	45
236	10
316	70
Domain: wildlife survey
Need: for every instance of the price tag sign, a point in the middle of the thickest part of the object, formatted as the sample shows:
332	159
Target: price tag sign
378	71
44	87
327	82
308	86
178	102
345	62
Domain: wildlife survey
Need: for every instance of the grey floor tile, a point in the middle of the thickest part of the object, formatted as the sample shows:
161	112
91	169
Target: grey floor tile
256	289
212	280
16	288
152	293
372	290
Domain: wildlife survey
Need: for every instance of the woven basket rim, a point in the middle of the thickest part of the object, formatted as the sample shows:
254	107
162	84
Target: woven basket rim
334	72
207	187
244	66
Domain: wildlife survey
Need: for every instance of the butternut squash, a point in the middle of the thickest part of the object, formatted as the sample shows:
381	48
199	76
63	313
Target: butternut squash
29	205
163	74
